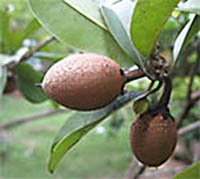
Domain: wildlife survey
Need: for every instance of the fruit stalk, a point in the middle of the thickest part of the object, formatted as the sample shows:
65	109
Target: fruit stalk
165	98
131	74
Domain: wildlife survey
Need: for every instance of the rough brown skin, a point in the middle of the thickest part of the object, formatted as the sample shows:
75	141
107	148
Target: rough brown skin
84	81
153	138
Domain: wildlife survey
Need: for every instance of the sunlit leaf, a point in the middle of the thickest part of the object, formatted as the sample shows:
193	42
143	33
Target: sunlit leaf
79	124
119	32
148	19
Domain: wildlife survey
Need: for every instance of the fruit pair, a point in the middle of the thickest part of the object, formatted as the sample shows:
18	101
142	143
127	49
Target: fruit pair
91	81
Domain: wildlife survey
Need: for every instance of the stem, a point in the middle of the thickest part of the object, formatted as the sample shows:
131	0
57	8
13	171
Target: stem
165	98
140	171
133	74
151	91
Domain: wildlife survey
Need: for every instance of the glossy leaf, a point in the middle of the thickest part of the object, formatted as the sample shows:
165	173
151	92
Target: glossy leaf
124	10
27	78
189	31
192	6
73	28
79	124
3	79
120	33
89	9
192	172
148	19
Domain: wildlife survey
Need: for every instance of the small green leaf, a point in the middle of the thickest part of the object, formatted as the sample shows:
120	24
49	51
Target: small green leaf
191	6
3	79
76	29
79	124
141	105
148	19
120	34
189	31
192	172
27	78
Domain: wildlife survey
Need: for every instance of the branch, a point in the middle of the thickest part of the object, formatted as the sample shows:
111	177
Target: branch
189	128
30	53
194	98
16	122
37	48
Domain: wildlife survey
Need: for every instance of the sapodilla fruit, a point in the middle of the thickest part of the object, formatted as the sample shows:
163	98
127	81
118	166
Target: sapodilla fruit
84	81
153	138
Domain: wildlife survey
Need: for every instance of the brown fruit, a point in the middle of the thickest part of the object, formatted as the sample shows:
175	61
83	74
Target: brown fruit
153	138
84	81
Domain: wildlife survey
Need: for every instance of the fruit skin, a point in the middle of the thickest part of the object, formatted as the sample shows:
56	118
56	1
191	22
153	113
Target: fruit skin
84	81
153	138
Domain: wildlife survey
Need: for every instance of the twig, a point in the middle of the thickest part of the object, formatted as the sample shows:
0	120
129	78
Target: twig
37	48
140	171
34	117
30	53
192	98
189	128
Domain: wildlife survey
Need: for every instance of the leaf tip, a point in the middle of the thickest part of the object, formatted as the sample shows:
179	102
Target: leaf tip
50	167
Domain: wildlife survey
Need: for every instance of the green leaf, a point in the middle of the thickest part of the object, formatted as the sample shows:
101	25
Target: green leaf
192	6
188	32
123	10
27	78
89	9
79	124
192	172
70	26
3	79
120	33
148	19
141	105
31	27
